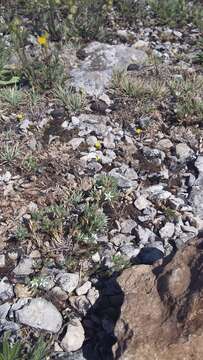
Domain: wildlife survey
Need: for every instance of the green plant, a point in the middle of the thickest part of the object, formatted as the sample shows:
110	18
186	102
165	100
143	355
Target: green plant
157	89
30	163
87	18
119	262
21	233
188	97
178	12
73	101
39	282
71	263
15	351
170	11
8	351
34	99
118	77
45	70
170	214
43	74
50	220
105	189
129	87
199	57
75	198
131	11
12	96
92	221
7	76
137	87
9	153
39	350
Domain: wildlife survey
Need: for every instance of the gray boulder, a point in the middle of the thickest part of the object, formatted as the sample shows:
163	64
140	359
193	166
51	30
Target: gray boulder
40	314
94	73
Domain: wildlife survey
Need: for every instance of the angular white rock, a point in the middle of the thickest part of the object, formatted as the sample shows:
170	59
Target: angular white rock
142	203
68	281
6	289
167	231
40	314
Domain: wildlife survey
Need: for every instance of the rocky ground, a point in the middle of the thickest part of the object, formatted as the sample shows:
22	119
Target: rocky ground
109	179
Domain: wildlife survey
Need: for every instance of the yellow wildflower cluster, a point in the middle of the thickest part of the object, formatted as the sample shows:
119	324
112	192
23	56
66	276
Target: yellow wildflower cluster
98	145
43	39
138	131
20	116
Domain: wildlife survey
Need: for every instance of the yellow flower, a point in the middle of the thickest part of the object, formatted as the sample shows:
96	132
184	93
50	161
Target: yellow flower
98	145
138	131
43	39
97	158
20	116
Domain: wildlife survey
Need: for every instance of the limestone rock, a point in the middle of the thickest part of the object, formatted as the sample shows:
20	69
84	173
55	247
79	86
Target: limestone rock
95	71
184	152
74	336
6	290
167	231
40	314
24	267
68	281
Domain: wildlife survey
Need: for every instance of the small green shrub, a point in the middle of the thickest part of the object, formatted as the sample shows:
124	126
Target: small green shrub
119	263
39	351
188	97
9	153
12	97
170	11
10	352
15	351
131	11
105	189
7	75
92	222
21	233
137	87
44	74
30	163
178	12
74	102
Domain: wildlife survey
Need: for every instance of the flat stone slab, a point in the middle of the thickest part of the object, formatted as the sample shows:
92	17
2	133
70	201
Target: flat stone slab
40	314
94	73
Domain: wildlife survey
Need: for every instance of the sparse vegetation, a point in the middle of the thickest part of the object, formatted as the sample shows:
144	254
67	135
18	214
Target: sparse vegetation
59	205
128	8
170	11
12	97
30	163
58	220
170	214
92	222
177	12
8	351
188	98
119	262
105	189
15	351
9	153
74	102
21	233
138	88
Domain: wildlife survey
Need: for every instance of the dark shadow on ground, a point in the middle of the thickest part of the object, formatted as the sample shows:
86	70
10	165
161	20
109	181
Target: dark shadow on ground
100	321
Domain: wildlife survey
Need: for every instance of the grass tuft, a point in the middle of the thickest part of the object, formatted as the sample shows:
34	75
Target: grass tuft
74	102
